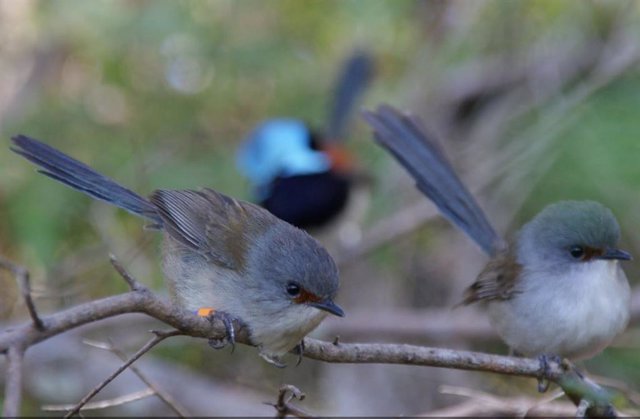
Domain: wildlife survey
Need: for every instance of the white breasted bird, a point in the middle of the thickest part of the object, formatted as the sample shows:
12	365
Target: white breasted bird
558	288
220	255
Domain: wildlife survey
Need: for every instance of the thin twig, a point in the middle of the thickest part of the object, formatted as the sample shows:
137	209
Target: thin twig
103	404
159	337
284	407
480	403
134	285
163	395
22	277
13	384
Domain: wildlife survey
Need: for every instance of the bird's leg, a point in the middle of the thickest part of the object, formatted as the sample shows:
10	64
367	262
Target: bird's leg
543	380
299	350
230	336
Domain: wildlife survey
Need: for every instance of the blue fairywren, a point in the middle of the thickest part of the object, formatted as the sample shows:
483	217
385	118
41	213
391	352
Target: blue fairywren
557	289
220	255
298	175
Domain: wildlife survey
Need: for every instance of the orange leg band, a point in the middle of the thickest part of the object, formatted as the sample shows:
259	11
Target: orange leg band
205	311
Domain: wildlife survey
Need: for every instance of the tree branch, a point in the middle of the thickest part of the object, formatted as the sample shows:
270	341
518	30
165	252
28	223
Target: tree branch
103	404
134	285
284	407
159	337
162	395
13	383
22	277
144	301
574	384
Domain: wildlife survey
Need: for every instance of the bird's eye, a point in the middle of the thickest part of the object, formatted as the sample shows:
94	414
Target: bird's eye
293	289
577	252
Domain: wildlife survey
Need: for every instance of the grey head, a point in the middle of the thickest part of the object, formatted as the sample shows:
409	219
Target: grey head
291	268
568	233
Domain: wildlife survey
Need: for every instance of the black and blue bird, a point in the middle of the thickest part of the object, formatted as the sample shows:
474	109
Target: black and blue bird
299	174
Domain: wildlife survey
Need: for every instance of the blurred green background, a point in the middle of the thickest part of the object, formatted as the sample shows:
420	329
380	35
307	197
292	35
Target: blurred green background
535	101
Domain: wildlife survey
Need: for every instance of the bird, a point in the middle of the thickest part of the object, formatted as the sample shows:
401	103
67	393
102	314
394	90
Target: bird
222	258
556	289
298	174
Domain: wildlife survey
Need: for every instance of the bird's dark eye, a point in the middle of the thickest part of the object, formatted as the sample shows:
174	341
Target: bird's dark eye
577	252
293	289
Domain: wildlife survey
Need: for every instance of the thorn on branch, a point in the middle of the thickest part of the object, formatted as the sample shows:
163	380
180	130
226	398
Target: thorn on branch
22	277
134	285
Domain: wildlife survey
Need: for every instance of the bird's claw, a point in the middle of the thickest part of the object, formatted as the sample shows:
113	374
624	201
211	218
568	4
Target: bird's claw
230	333
543	379
273	360
299	351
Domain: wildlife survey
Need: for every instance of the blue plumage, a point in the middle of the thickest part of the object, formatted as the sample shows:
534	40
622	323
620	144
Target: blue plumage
300	176
279	148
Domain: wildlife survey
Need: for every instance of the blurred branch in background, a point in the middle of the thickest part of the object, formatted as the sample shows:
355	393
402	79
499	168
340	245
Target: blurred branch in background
103	404
128	363
430	325
480	403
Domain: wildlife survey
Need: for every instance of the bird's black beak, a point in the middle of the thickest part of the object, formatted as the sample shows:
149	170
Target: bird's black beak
328	306
615	254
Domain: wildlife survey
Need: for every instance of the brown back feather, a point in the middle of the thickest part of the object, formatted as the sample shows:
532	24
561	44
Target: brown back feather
497	281
212	224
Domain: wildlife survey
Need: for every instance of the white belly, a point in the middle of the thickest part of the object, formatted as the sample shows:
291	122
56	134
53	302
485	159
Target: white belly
274	329
574	316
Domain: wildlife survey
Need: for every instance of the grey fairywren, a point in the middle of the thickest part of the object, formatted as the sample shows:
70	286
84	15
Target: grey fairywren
220	255
558	288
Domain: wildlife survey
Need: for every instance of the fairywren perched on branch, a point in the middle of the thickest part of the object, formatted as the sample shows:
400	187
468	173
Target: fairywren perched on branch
221	256
298	175
558	288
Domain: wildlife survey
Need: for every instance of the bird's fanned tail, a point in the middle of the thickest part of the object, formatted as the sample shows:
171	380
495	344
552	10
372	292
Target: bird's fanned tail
424	159
77	175
350	85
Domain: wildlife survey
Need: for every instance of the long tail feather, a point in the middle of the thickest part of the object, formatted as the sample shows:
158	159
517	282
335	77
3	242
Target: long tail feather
424	159
351	83
77	175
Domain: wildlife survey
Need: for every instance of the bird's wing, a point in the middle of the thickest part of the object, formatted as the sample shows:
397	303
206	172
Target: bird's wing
424	159
212	224
497	281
